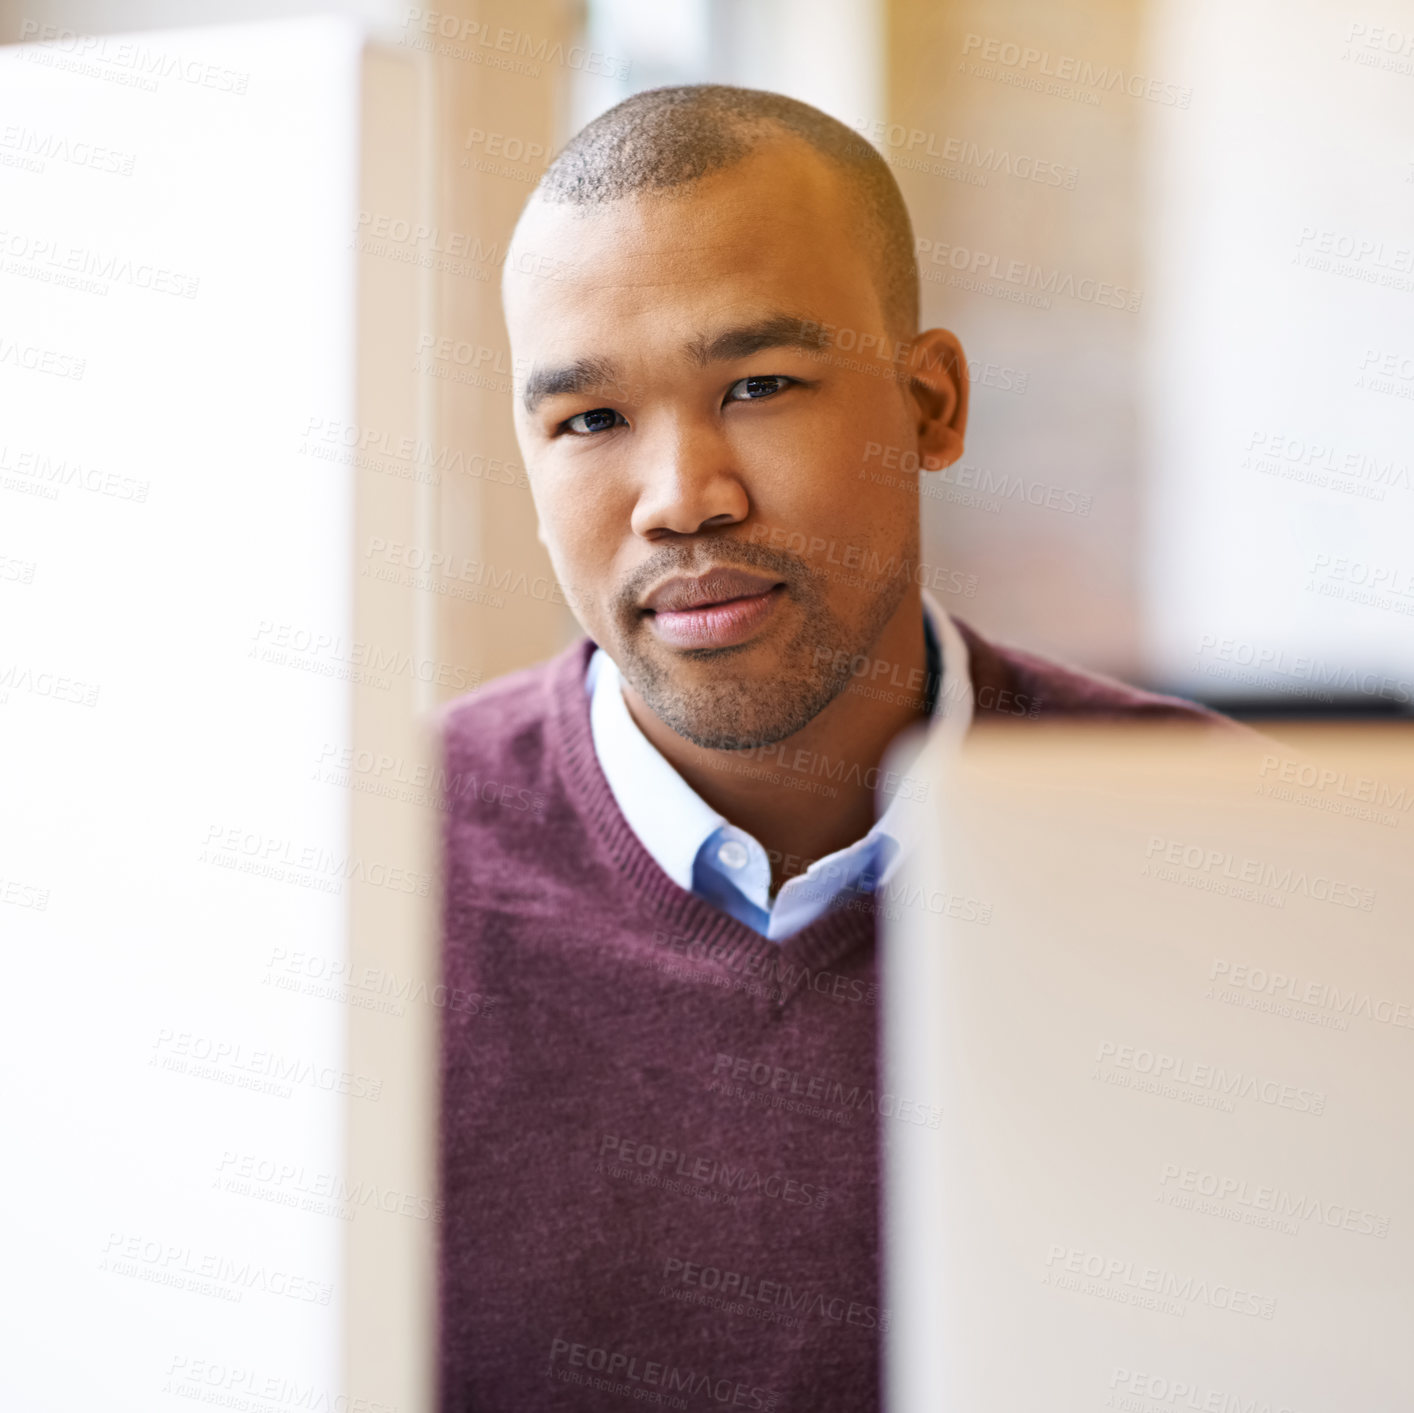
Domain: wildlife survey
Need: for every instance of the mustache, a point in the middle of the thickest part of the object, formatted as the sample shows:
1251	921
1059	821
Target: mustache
697	559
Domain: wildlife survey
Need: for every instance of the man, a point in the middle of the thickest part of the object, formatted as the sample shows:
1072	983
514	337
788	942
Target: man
660	1146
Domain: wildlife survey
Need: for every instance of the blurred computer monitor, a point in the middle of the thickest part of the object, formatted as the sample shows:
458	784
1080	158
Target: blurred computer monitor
1171	1040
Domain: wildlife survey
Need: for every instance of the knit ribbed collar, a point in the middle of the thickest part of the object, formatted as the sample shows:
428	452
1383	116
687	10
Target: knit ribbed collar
719	940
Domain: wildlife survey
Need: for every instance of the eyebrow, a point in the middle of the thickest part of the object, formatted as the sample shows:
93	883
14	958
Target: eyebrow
582	376
587	375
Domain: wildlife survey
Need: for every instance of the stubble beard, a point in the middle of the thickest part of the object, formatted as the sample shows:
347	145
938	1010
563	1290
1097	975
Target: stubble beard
731	711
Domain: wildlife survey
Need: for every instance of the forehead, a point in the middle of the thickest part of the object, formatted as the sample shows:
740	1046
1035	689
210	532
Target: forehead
780	229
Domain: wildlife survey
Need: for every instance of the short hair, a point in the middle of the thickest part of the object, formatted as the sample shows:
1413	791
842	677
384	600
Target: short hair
664	138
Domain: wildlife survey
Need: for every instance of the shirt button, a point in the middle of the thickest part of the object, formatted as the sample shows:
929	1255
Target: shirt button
733	854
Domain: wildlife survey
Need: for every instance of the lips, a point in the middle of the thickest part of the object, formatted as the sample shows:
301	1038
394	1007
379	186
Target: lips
722	608
717	586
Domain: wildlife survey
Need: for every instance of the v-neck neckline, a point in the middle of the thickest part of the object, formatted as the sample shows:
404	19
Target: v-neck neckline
725	945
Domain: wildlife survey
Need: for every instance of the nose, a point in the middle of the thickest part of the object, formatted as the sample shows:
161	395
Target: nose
689	482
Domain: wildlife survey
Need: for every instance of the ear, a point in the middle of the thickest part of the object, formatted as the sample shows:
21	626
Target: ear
937	385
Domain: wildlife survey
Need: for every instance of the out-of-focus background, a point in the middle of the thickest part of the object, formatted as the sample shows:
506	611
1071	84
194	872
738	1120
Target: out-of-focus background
1176	239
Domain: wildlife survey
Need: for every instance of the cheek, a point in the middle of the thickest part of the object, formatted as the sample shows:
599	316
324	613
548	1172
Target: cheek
582	519
832	483
871	430
583	527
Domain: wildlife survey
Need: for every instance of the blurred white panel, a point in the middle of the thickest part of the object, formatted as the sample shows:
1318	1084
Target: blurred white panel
26	21
825	52
1280	383
1160	989
178	657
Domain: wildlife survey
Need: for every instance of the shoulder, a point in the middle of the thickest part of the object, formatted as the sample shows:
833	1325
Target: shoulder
1009	682
508	720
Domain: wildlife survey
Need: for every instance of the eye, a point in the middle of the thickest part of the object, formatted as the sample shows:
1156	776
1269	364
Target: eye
599	419
757	387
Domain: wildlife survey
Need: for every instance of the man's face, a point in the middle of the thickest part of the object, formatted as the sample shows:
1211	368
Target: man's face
699	463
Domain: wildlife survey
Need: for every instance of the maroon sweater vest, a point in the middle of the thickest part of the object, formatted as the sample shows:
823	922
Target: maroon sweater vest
659	1130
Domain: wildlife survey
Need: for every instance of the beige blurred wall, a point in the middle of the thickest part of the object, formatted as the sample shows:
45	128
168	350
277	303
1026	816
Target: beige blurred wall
1052	416
499	118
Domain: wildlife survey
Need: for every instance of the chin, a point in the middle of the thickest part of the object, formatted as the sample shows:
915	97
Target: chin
729	714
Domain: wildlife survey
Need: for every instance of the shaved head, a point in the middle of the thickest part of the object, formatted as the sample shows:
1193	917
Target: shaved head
712	307
666	140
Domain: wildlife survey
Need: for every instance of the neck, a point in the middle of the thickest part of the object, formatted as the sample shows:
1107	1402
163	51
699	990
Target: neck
806	796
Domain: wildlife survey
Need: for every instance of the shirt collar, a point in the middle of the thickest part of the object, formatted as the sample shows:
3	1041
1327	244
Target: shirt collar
902	818
673	821
670	818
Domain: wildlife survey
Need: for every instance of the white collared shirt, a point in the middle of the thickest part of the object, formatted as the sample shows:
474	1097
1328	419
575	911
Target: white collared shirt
702	852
